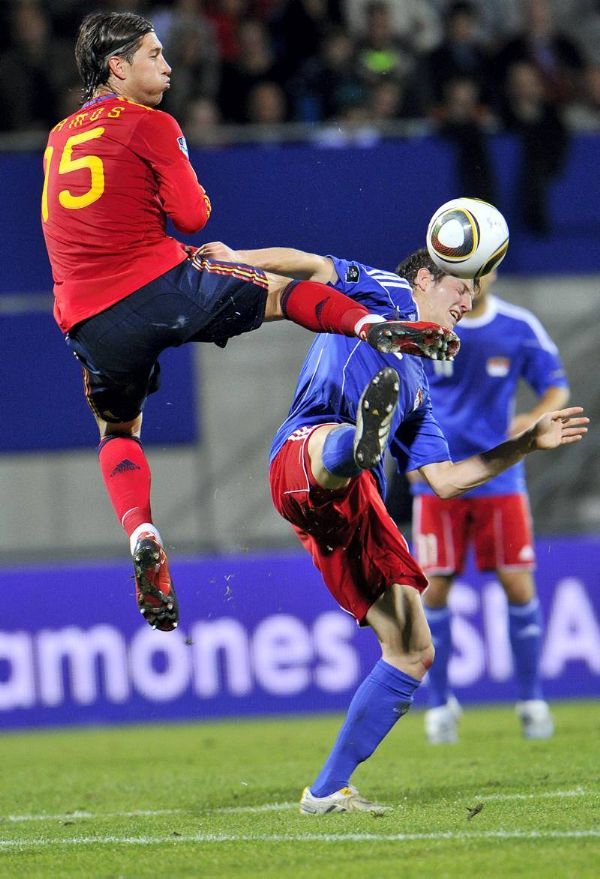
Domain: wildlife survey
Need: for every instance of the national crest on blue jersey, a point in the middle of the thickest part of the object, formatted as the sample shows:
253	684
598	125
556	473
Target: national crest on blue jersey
498	367
183	146
419	397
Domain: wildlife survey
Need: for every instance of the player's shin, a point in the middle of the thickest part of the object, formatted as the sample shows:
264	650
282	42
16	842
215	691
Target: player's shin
382	699
127	478
439	624
322	309
525	628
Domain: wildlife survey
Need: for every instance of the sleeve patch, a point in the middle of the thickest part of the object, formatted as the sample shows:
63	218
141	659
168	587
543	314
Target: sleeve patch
352	274
183	146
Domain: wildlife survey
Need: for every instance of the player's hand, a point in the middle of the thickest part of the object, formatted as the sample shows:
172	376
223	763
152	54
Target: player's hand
559	428
218	250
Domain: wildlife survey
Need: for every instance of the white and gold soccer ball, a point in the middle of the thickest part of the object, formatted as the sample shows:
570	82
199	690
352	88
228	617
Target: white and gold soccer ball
467	237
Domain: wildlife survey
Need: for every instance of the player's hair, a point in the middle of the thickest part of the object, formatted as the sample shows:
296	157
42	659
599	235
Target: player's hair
102	35
420	259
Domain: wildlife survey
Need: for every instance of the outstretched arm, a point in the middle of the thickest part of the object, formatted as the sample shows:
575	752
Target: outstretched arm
554	429
278	260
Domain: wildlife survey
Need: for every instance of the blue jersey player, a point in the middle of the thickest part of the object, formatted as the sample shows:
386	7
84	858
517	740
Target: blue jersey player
350	404
474	401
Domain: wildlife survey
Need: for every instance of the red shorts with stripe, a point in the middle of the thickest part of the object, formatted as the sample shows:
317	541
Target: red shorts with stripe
351	537
499	527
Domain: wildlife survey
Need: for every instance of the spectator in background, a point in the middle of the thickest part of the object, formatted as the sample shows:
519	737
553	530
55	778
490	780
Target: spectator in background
465	123
555	57
380	52
353	125
267	104
226	17
460	55
584	114
544	141
393	100
255	62
415	22
202	123
386	100
34	70
299	29
192	49
498	21
330	81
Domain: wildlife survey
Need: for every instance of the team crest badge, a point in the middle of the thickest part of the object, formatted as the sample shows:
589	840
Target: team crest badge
419	397
497	367
352	274
183	146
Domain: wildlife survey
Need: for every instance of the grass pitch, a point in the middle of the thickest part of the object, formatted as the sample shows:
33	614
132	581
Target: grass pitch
220	800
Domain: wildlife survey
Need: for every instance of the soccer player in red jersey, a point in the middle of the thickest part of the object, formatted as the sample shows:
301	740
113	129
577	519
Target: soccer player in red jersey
114	171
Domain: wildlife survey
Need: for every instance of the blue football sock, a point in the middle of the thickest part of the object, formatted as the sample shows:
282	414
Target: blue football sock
437	679
382	698
338	452
525	629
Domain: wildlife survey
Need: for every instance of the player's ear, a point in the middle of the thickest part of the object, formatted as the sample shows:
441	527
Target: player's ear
117	65
422	279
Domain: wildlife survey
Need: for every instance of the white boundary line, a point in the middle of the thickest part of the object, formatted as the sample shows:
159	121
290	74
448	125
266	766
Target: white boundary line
265	807
300	837
79	814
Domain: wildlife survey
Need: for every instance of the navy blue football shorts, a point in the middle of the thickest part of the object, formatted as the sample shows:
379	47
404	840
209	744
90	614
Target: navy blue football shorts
197	301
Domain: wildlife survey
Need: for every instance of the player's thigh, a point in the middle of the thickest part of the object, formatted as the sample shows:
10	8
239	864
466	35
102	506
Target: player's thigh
437	593
503	533
315	453
232	298
440	534
399	622
519	585
277	285
117	406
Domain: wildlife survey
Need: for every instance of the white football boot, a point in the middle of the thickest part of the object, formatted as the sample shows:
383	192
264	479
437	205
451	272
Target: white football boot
535	717
347	799
441	724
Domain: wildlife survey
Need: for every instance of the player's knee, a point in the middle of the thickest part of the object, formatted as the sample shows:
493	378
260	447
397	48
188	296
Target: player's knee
427	656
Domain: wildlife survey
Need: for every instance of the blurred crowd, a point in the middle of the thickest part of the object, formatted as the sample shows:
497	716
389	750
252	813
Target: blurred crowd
348	67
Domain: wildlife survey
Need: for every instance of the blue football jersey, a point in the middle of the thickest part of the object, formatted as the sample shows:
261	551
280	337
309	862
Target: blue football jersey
337	369
474	396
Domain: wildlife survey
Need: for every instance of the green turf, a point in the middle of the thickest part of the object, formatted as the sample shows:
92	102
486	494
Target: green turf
538	816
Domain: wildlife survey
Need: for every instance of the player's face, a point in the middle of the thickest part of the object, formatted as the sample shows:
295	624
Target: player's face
148	76
446	300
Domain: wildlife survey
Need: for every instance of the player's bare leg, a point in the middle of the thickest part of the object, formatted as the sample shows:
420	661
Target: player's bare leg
127	478
398	620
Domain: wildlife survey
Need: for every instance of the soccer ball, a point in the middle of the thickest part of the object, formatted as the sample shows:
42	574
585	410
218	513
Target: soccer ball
467	237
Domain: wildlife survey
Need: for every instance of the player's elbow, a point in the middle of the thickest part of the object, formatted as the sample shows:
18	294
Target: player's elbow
194	216
446	491
192	221
188	225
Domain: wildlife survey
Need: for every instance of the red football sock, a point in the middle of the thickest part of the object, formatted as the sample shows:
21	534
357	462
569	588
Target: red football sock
127	479
320	308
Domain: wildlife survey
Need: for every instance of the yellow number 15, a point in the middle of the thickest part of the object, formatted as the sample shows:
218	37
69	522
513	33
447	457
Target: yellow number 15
68	164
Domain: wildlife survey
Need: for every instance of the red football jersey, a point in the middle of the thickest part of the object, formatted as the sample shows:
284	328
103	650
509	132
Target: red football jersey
114	171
